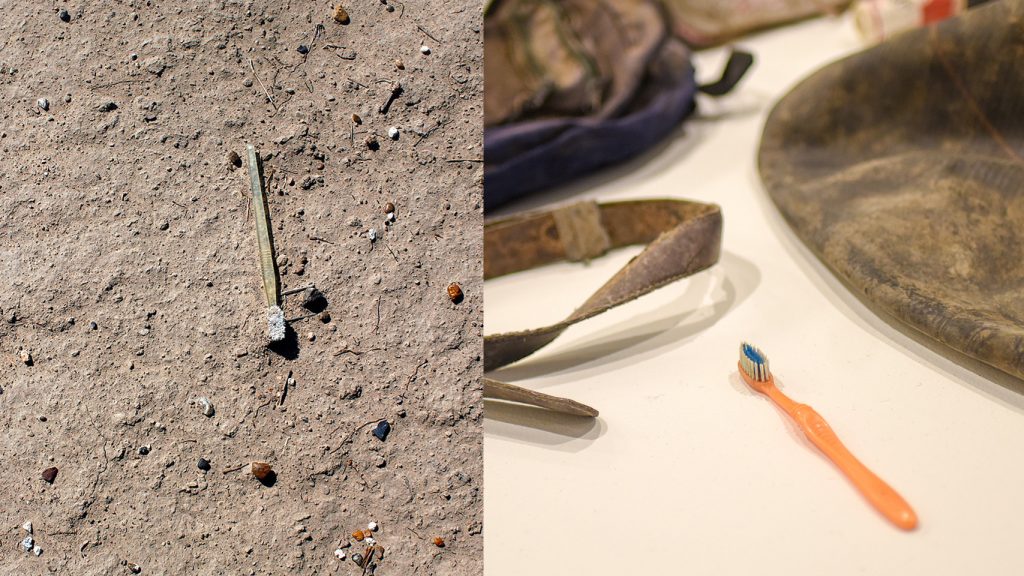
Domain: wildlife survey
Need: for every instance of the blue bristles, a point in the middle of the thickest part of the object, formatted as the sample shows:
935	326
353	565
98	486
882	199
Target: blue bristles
754	362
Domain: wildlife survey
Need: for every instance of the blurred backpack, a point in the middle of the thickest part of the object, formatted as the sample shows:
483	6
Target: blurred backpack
576	85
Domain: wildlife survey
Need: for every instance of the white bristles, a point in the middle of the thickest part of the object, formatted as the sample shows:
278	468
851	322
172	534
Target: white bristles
754	362
275	323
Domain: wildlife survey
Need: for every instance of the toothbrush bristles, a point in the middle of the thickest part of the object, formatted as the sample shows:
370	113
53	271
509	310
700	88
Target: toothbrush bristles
754	362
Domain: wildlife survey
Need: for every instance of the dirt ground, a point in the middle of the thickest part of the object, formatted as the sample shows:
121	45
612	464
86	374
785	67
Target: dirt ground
129	273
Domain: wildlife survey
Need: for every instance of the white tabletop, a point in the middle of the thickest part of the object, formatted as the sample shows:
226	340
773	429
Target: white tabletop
687	471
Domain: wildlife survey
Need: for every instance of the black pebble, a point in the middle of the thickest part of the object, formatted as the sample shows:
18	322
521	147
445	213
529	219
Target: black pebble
107	107
63	15
49	475
203	464
93	326
382	430
303	49
315	301
143	450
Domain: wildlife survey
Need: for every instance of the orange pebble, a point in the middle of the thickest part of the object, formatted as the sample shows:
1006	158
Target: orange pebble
341	15
358	535
455	292
438	541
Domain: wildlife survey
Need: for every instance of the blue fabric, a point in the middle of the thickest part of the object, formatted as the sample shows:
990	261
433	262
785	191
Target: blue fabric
525	157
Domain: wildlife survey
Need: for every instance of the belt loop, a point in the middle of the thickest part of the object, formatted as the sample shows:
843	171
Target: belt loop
581	230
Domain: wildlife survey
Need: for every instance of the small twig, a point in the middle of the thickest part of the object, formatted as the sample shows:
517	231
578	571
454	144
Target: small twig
350	55
287	171
316	34
284	389
428	34
393	255
413	377
464	160
235	469
319	239
356	83
356	352
396	90
351	435
424	135
348	440
291	291
265	91
377	326
109	84
264	405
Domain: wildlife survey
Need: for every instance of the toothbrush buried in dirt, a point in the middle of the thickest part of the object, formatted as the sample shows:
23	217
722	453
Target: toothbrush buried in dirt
271	289
754	370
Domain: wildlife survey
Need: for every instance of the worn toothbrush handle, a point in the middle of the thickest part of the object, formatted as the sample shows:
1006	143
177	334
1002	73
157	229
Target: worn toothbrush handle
879	494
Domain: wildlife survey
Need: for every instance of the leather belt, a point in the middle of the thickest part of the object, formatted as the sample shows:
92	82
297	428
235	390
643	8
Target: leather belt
682	237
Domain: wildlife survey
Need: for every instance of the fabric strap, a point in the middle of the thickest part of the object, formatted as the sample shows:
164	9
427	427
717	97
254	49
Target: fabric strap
682	238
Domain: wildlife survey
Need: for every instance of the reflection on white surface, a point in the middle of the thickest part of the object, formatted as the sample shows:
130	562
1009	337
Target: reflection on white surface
687	471
536	426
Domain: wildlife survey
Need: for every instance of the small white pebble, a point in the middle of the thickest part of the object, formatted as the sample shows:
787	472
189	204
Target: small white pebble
37	550
27	543
372	526
393	133
372	234
340	554
206	406
370	541
310	336
424	49
390	217
43	103
27	526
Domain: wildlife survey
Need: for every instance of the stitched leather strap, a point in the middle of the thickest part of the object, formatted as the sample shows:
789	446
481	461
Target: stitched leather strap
682	238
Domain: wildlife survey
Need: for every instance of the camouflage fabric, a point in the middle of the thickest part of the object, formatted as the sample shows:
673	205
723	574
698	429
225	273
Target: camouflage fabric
576	85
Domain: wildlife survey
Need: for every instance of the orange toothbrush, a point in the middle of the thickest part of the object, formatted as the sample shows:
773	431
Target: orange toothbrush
754	369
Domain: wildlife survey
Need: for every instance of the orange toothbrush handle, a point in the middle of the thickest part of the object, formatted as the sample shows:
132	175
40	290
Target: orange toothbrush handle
878	493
